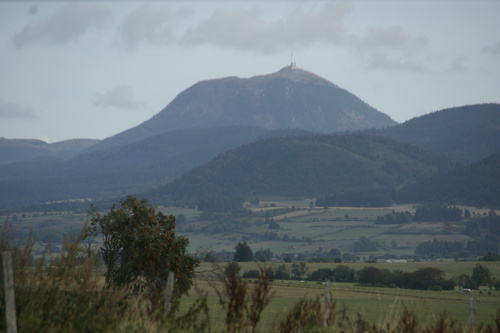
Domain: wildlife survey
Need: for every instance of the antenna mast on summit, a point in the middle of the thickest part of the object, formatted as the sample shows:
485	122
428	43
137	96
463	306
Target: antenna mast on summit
292	64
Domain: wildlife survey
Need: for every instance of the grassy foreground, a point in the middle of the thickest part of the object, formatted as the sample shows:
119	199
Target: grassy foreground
67	294
377	306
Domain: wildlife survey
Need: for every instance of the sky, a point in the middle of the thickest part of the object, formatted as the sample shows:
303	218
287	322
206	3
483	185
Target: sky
92	69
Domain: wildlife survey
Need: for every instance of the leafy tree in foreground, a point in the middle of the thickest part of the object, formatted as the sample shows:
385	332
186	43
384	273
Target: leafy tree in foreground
140	247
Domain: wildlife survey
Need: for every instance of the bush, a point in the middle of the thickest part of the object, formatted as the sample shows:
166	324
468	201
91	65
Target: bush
251	274
497	285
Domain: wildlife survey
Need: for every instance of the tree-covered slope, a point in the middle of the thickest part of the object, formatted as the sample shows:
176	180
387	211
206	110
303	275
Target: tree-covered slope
305	166
121	170
477	185
466	134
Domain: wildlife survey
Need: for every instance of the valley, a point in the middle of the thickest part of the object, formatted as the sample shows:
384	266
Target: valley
288	228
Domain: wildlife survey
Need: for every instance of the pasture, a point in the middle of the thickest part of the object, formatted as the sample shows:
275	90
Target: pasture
375	305
301	228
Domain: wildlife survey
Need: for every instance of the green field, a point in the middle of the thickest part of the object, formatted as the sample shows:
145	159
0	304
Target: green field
301	229
375	305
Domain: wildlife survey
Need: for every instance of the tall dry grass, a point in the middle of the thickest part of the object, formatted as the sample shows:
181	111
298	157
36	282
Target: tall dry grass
65	293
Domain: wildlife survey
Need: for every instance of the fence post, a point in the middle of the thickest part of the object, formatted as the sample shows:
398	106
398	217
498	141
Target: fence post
472	313
169	290
10	299
328	303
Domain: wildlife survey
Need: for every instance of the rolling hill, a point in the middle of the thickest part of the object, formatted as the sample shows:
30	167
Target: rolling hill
465	134
17	150
476	185
304	166
120	170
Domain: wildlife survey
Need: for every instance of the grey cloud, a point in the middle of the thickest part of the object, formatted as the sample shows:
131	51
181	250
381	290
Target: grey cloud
15	111
320	23
492	49
238	28
33	10
245	28
121	97
459	64
148	24
66	25
378	60
390	47
392	37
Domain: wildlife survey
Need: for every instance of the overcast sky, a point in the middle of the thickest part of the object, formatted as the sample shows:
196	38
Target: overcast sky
92	69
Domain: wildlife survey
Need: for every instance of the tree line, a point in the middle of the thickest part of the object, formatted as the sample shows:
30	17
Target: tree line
428	278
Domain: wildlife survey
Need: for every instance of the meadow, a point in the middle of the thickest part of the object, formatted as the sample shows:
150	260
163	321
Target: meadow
377	306
302	229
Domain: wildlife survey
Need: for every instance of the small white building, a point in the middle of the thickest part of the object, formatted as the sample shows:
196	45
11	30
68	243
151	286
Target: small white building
396	261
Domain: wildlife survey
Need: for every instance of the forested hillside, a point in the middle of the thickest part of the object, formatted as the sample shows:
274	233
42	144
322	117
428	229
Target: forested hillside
465	134
303	166
476	185
121	170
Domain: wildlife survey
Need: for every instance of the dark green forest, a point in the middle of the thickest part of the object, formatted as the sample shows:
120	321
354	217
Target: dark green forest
465	134
361	167
474	185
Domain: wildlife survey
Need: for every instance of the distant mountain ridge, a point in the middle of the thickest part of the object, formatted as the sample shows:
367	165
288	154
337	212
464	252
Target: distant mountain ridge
466	134
120	170
16	150
289	98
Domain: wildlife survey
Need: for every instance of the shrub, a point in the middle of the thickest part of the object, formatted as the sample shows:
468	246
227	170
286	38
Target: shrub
251	274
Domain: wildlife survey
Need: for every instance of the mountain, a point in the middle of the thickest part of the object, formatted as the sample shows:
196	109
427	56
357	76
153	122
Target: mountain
304	166
121	170
211	119
289	98
476	185
17	150
465	134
